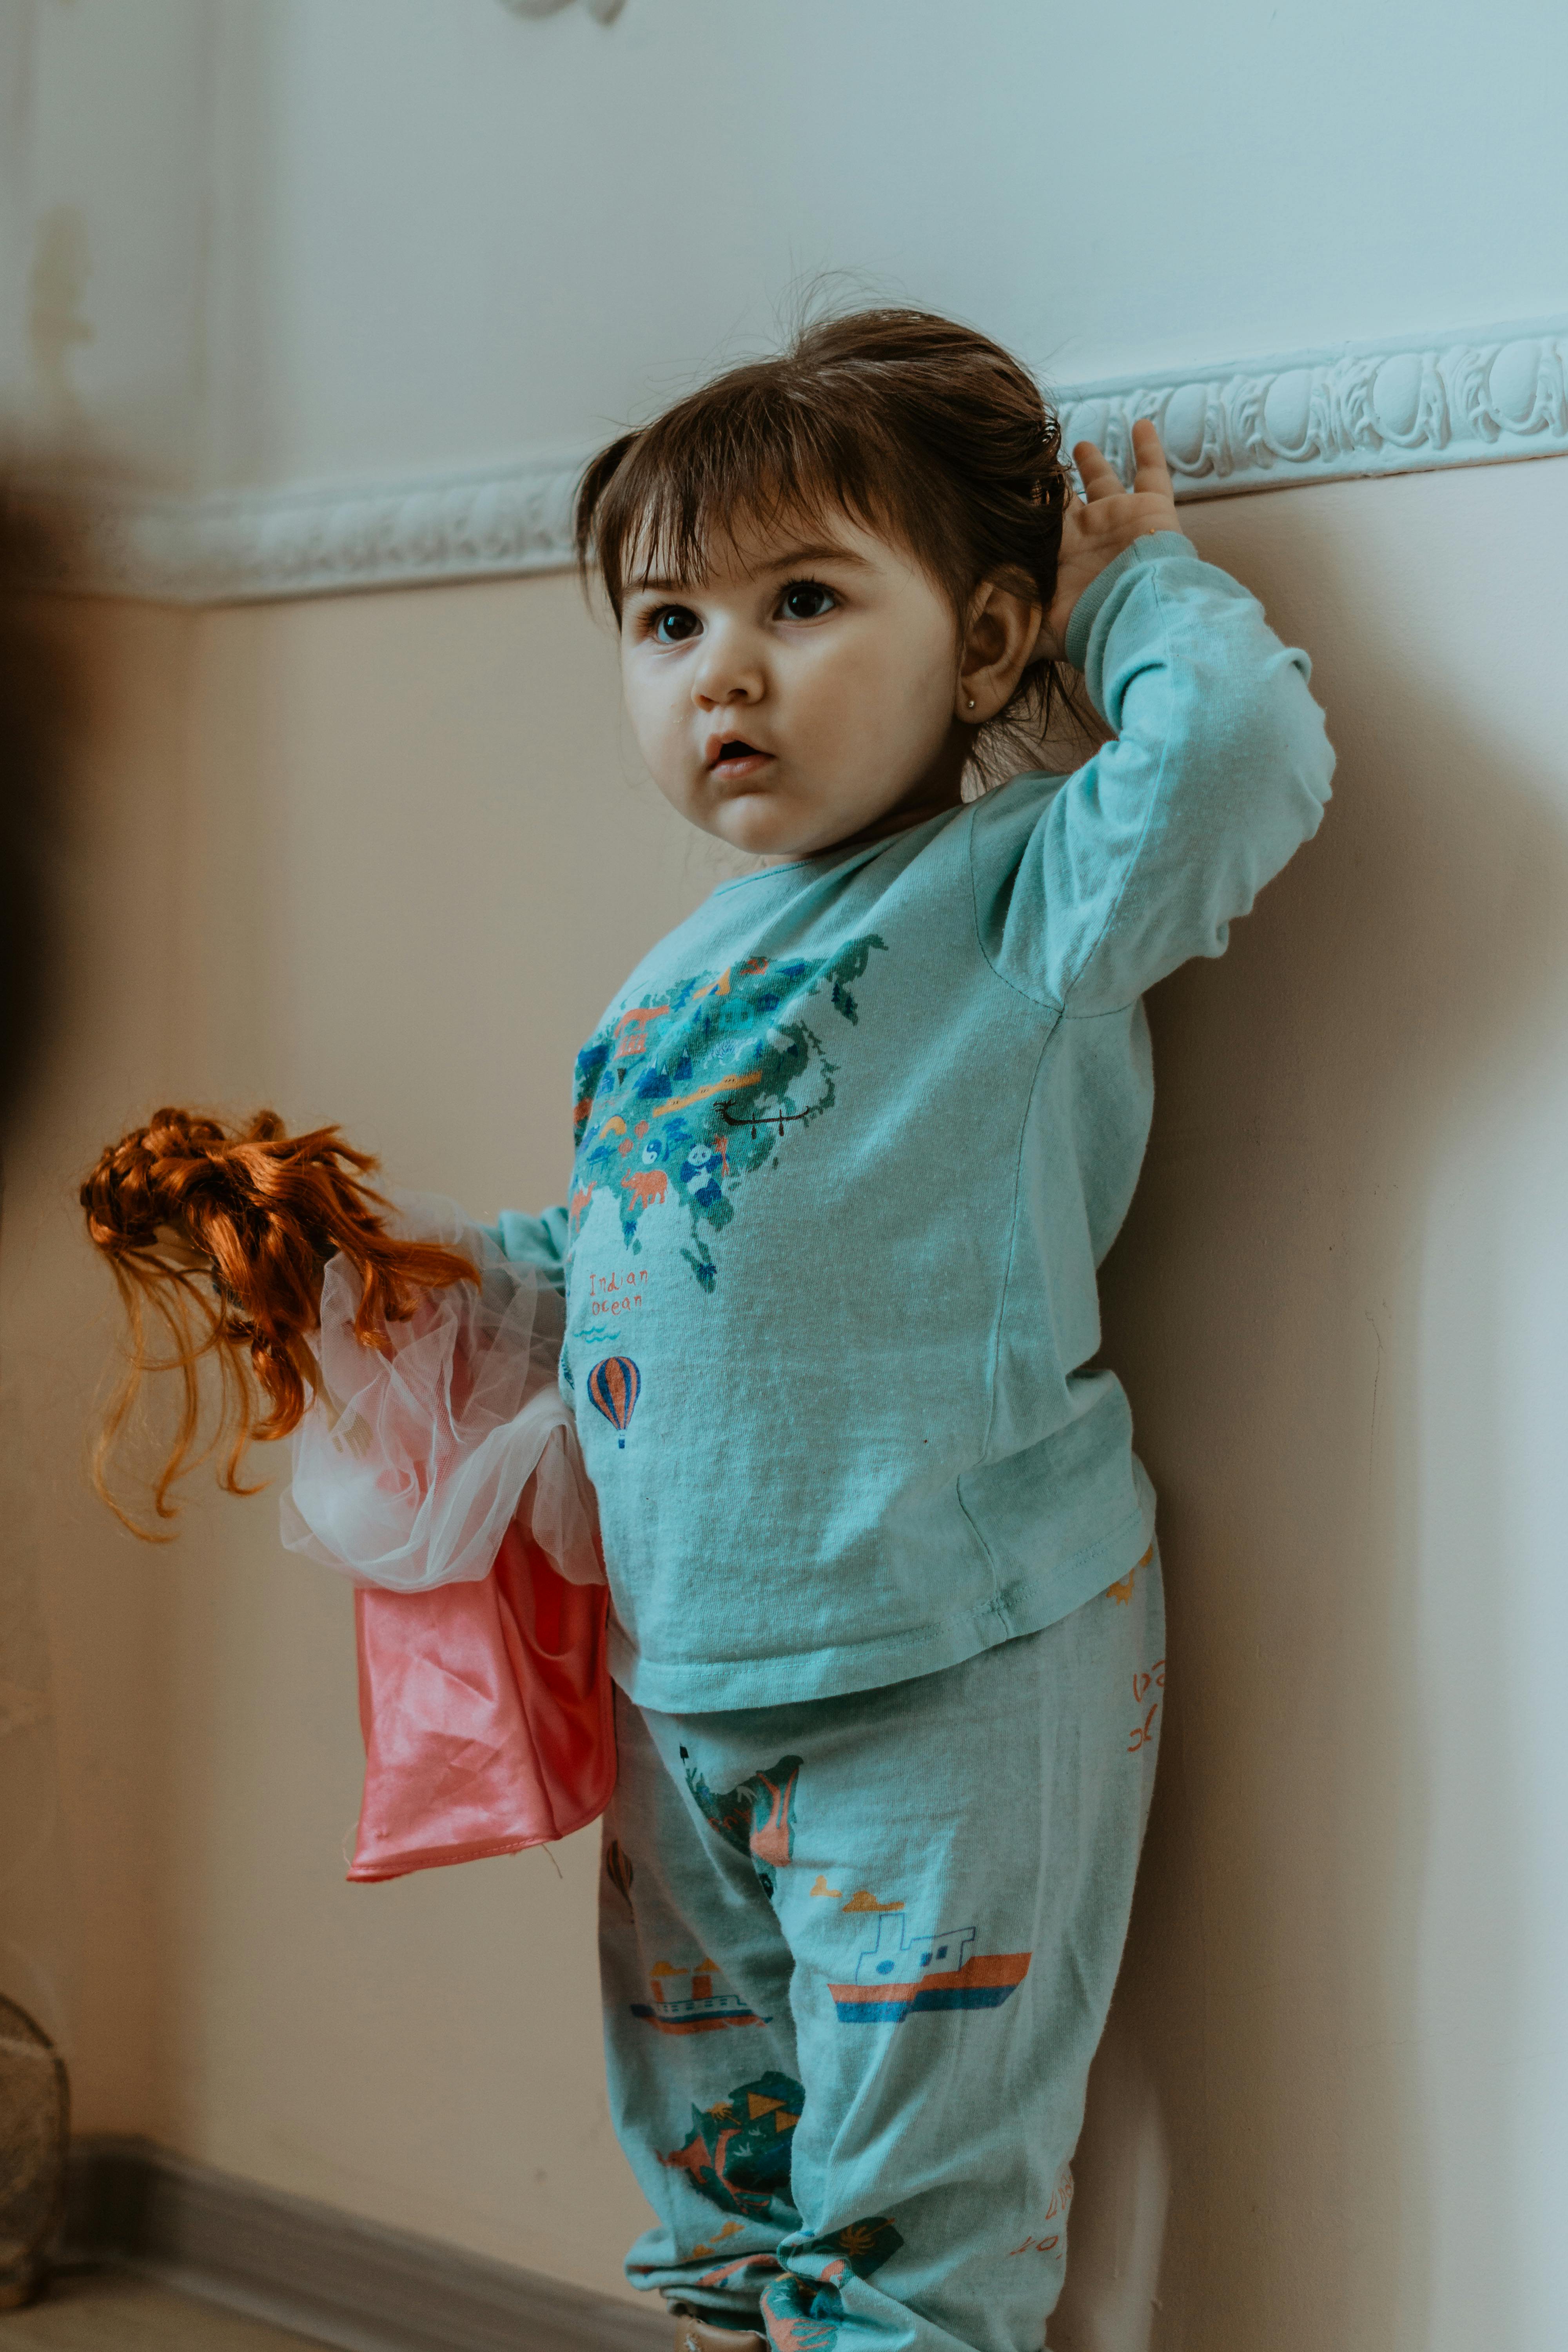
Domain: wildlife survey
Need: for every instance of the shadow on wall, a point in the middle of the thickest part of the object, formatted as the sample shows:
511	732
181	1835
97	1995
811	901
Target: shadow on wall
1258	2166
42	689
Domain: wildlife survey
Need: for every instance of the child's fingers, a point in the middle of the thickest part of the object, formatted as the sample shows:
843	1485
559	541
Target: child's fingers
1095	471
1151	473
1151	476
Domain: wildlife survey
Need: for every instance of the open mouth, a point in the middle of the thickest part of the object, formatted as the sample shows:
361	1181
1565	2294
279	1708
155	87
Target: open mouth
736	759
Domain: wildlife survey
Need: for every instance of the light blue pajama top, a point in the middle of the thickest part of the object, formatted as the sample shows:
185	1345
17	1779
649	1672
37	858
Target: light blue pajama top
851	1143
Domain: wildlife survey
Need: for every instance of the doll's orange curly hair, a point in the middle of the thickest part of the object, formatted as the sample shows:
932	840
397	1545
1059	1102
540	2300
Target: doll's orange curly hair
261	1210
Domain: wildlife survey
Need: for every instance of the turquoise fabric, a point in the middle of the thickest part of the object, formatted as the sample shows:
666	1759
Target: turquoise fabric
851	1143
856	1955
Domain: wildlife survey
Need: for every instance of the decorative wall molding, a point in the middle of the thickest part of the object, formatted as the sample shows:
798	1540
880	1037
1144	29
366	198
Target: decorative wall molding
1317	416
242	546
330	2276
603	12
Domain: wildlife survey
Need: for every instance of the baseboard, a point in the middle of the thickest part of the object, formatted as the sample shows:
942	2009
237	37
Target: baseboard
326	2275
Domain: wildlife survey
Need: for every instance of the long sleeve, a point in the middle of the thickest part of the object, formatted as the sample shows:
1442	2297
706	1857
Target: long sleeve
1218	772
536	1241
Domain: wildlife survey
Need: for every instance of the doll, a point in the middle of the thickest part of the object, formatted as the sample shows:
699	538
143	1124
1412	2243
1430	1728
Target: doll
387	1356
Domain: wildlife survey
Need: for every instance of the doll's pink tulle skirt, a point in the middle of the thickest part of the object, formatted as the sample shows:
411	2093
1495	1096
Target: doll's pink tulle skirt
443	1476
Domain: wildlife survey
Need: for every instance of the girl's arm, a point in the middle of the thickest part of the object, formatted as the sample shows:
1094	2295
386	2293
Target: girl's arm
1218	772
539	1242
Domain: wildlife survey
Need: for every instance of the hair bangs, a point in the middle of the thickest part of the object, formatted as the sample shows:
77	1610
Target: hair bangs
733	463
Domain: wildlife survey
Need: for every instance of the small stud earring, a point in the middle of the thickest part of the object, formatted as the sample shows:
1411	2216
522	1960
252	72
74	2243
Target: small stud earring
972	702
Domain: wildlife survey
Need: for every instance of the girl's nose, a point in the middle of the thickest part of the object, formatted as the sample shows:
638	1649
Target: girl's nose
726	673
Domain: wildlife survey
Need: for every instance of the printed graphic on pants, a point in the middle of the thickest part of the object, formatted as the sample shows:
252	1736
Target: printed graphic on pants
758	1818
906	1970
737	2153
1148	1685
753	2269
692	2000
1049	2239
804	2313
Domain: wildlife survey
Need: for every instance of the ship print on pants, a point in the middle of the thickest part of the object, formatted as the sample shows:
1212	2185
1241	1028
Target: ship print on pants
905	1970
692	2000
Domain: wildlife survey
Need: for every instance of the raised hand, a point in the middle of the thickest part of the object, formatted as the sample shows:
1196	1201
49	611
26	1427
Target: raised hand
1107	519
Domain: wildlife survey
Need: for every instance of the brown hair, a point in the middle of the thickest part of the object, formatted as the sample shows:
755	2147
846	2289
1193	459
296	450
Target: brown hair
265	1210
907	422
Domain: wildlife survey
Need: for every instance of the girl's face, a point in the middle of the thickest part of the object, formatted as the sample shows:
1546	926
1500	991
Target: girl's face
805	692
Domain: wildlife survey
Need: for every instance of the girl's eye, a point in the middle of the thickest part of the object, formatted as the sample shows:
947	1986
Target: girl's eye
806	599
673	624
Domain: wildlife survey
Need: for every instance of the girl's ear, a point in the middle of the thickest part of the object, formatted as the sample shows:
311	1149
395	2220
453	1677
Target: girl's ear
999	641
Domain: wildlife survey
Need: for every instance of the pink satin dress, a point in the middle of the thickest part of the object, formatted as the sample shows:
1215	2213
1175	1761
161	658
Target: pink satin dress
443	1476
487	1715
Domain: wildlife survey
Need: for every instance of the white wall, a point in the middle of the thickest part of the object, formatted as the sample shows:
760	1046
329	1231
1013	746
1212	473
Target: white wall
486	236
432	234
1340	1308
106	132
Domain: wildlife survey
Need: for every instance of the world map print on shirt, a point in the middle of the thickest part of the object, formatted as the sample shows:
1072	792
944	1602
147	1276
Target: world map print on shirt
681	1099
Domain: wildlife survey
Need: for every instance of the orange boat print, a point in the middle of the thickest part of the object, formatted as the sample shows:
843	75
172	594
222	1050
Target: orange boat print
692	2000
903	1971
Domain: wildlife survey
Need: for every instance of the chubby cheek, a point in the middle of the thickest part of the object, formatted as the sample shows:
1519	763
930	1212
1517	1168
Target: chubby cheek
657	718
879	723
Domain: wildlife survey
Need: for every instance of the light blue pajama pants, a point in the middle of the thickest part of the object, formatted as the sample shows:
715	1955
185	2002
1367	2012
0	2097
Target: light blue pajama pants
856	1955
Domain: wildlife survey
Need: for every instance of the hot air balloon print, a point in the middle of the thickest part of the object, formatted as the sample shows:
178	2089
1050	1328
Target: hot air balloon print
614	1385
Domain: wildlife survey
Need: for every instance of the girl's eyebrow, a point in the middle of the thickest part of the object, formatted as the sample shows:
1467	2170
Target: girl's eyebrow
828	552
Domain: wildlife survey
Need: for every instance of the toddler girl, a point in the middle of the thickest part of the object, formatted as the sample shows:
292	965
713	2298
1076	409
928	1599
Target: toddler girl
885	1613
850	1145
